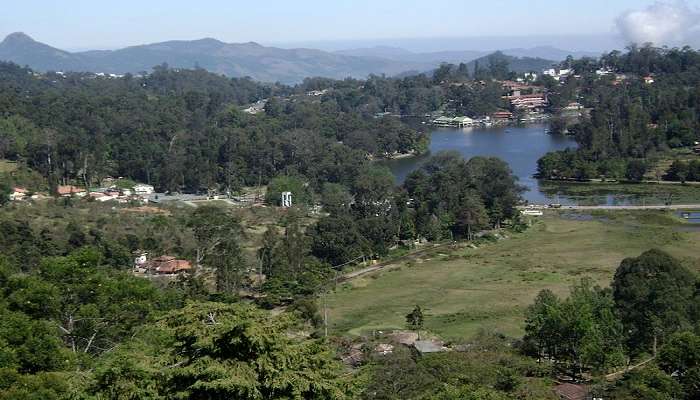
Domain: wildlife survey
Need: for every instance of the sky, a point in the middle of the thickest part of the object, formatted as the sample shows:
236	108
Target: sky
82	24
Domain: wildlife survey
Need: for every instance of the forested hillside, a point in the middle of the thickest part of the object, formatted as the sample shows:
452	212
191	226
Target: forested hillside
80	321
181	130
79	324
647	103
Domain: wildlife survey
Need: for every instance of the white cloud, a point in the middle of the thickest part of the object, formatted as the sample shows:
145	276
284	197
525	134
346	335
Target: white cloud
662	23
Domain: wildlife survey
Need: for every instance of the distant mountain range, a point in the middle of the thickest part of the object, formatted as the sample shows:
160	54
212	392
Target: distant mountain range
268	64
456	57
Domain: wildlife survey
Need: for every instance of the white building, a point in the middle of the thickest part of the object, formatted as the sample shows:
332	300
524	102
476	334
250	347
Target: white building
18	194
558	74
141	189
286	199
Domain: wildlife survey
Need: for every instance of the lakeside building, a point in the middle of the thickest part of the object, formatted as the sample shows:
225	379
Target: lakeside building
456	121
502	116
529	102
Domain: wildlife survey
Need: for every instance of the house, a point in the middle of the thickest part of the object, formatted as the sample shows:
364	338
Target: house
256	108
406	338
573	106
169	265
18	194
443	121
429	346
462	121
648	79
531	76
317	92
570	391
502	116
70	191
558	74
384	349
141	259
529	101
143	189
532	213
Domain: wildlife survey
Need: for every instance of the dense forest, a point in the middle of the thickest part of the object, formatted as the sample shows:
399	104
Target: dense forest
646	104
77	324
182	130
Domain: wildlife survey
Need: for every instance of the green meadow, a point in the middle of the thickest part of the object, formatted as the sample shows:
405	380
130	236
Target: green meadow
488	288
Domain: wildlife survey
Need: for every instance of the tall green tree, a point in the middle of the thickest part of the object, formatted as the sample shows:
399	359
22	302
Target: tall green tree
653	296
218	233
236	351
415	320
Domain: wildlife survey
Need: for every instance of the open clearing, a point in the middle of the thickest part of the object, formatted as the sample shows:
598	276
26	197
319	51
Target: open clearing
466	290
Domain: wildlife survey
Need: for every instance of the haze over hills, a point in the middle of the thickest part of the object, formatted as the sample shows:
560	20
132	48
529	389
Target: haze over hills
261	63
455	56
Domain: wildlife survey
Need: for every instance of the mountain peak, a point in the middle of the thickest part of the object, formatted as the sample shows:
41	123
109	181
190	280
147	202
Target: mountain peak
18	37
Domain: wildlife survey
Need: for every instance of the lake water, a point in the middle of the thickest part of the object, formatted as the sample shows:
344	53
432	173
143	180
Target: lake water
520	147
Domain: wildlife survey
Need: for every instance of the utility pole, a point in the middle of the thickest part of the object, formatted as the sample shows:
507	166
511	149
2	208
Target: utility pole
325	316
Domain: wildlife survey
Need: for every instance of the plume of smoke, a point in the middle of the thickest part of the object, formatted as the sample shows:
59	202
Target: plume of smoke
662	23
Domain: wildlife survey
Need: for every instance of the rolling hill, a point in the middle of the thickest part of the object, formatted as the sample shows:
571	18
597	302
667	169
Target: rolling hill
262	63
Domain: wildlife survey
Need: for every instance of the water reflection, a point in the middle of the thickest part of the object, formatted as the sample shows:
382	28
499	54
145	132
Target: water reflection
521	147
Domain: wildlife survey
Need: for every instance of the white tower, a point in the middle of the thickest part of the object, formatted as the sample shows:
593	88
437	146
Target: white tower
286	199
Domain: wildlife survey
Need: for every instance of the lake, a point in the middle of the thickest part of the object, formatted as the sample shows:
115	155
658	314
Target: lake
520	147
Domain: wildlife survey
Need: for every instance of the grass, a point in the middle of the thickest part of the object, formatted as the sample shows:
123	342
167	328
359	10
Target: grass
649	193
7	166
489	288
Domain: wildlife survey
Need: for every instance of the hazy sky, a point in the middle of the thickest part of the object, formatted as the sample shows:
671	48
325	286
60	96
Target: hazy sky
81	24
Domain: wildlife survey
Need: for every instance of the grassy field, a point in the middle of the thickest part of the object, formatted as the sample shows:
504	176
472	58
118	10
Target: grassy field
649	193
489	287
7	166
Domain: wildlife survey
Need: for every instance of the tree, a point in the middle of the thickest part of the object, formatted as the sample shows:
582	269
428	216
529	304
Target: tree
653	294
337	240
335	198
373	190
414	320
217	232
543	324
636	170
678	171
470	215
646	383
237	351
680	358
5	191
581	331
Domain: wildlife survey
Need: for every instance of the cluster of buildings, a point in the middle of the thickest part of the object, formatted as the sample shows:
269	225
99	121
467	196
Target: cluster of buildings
139	192
529	102
316	93
459	122
20	193
558	74
465	122
256	108
160	266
